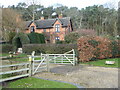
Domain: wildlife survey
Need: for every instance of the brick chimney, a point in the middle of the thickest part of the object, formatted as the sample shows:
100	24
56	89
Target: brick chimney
60	16
42	18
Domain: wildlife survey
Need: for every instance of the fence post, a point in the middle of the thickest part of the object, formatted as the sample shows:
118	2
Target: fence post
74	60
41	56
30	66
47	59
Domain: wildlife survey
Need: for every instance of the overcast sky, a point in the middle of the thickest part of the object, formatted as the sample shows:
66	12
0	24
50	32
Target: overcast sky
70	3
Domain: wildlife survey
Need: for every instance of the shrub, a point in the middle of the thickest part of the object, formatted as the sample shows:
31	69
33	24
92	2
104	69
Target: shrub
115	47
94	47
6	48
73	36
60	42
19	40
36	38
48	48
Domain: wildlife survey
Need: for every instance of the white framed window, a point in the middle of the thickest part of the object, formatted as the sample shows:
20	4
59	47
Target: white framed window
57	28
57	38
32	28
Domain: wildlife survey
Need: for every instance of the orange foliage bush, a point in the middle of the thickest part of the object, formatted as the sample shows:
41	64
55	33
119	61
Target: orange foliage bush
94	47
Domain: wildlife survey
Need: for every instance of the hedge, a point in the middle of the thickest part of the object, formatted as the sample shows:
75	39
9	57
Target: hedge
19	40
36	38
48	48
5	48
96	47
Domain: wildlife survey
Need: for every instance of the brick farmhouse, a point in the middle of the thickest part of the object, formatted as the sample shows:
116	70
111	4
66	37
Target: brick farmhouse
53	29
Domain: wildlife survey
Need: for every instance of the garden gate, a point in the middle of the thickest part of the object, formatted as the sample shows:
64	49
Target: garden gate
42	62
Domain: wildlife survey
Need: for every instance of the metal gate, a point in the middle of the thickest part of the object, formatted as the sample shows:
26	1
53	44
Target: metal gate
41	63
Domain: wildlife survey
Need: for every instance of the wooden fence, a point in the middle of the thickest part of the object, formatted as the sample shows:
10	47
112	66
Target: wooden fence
45	59
34	66
18	73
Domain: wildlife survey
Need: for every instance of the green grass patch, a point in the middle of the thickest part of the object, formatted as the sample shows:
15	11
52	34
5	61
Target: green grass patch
20	59
4	54
102	62
38	83
21	55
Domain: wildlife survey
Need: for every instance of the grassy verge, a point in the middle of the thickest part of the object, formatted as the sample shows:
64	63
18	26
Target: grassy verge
102	62
38	83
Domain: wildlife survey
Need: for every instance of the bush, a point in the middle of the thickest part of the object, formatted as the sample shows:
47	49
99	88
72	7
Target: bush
96	47
36	38
73	36
60	42
48	48
6	48
19	40
115	47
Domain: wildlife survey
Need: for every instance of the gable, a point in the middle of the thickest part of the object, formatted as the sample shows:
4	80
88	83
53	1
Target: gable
57	22
32	24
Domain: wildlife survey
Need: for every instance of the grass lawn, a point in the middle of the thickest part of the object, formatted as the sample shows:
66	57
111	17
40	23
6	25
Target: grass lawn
102	62
20	59
31	82
19	55
4	54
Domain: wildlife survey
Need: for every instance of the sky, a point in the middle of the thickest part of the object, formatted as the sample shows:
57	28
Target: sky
70	3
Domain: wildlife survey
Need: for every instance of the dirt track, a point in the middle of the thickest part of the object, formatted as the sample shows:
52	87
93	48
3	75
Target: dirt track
86	76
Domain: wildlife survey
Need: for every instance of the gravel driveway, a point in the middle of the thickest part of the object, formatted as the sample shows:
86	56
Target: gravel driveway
83	75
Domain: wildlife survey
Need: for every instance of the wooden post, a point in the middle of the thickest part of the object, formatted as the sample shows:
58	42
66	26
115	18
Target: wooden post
30	66
41	56
47	59
62	59
54	59
32	62
73	57
76	61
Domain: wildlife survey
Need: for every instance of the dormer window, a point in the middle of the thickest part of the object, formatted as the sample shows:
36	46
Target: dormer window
32	29
57	28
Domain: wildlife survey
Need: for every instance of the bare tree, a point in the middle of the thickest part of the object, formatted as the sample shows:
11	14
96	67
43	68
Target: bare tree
11	21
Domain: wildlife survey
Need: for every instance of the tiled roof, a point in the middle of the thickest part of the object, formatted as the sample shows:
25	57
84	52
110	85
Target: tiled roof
48	23
28	24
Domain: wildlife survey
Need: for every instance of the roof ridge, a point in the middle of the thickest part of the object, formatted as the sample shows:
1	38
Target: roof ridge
45	19
54	19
